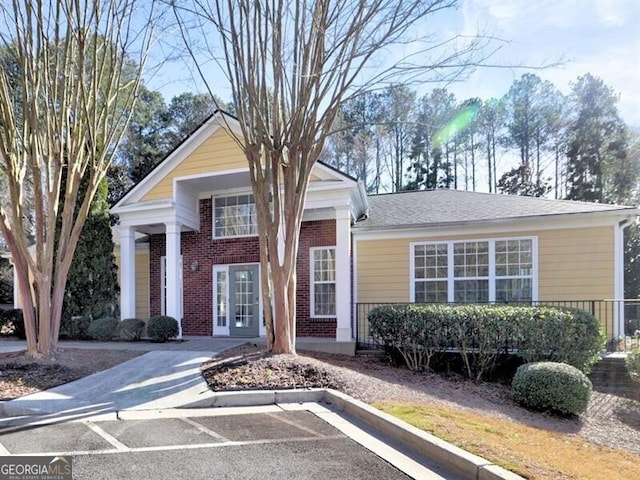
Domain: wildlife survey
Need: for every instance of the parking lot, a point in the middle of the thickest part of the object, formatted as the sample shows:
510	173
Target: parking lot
269	444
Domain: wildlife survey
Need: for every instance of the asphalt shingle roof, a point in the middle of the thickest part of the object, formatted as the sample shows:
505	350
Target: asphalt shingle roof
436	207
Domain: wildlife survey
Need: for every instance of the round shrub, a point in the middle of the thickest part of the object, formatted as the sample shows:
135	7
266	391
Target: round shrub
161	328
103	329
552	386
75	328
633	365
13	319
130	329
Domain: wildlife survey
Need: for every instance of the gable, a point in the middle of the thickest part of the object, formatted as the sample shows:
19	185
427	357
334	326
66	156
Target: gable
219	152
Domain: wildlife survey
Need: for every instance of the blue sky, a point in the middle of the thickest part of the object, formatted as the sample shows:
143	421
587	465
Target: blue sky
597	36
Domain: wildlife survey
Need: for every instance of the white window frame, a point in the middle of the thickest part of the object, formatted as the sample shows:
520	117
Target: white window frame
312	282
229	194
492	266
218	330
163	286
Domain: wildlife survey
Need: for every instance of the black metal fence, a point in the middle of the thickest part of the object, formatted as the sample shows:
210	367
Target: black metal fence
620	320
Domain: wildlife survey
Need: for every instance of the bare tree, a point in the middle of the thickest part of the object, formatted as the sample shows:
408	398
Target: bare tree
64	105
291	65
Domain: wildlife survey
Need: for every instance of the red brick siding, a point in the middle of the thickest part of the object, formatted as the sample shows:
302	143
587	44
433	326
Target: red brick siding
207	251
321	233
198	288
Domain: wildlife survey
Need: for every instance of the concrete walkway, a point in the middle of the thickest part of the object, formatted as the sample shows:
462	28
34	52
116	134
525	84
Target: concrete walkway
167	376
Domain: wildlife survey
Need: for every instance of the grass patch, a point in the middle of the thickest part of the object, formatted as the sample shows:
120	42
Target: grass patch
530	452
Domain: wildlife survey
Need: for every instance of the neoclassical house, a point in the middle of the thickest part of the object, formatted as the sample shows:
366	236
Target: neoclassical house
188	246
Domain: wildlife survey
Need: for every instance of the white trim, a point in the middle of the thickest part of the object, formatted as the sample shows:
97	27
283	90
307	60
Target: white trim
215	329
262	332
618	277
492	278
354	283
488	227
312	309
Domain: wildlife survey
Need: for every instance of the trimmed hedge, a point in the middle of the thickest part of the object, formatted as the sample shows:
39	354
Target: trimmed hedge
481	333
103	329
552	386
130	329
162	328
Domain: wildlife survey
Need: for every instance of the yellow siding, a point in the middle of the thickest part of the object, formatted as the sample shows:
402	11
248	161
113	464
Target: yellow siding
142	281
573	264
219	152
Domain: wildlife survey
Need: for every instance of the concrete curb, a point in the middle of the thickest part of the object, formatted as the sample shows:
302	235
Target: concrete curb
422	443
419	442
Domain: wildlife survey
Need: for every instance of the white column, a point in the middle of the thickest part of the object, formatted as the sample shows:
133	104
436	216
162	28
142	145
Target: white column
127	272
343	275
174	295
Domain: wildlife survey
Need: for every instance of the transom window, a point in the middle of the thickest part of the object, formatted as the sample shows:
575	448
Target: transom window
235	216
323	281
476	271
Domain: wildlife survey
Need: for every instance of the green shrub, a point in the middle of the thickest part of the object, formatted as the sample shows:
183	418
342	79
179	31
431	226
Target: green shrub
75	328
633	365
13	319
103	329
552	386
481	333
130	329
162	328
565	335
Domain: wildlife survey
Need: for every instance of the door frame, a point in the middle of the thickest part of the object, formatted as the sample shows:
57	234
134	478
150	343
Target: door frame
225	330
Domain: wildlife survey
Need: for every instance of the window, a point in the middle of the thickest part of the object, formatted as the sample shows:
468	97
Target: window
323	282
235	216
473	271
514	270
431	272
221	298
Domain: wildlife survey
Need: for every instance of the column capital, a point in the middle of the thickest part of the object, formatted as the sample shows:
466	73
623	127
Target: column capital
126	231
172	227
342	212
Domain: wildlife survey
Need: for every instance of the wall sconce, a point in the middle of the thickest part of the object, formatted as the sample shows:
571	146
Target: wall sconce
195	265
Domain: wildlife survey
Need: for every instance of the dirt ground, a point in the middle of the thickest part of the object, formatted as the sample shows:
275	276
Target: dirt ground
20	375
610	420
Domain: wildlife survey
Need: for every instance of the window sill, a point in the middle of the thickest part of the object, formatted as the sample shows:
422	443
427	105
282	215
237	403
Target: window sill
322	319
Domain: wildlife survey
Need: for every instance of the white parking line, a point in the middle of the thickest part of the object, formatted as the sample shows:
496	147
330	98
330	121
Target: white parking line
4	451
108	437
184	447
294	424
204	429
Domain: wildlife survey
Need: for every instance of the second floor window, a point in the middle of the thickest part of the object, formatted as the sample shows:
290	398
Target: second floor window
235	216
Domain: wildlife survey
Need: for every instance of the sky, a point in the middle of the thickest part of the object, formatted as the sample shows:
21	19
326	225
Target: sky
601	37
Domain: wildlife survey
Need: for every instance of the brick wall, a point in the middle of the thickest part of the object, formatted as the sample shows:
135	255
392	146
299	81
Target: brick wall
207	251
320	233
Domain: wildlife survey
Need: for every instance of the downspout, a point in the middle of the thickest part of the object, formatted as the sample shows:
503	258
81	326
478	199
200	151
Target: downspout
618	279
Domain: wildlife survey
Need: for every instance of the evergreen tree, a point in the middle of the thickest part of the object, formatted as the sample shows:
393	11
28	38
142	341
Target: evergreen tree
92	288
597	166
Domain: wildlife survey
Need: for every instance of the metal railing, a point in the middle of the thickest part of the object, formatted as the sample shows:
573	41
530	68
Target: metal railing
620	320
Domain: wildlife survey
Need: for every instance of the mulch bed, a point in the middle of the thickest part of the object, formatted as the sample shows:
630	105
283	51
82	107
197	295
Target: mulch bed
20	375
257	370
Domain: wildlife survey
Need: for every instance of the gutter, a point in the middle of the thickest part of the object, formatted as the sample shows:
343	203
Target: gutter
632	211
